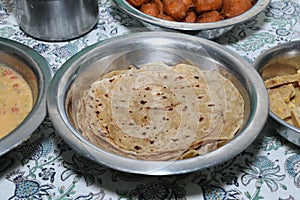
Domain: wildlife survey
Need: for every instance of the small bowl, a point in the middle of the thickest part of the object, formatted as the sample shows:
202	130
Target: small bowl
142	48
205	30
35	70
284	59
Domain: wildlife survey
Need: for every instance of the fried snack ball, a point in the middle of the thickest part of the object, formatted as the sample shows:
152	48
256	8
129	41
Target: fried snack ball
150	9
176	9
138	3
191	17
207	5
233	8
211	16
159	5
166	17
188	3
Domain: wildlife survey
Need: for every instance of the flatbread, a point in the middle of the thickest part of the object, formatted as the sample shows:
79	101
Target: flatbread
286	91
281	80
160	112
278	105
224	123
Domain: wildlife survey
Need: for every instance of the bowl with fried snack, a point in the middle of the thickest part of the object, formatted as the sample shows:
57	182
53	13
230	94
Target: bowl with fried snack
208	19
140	105
280	69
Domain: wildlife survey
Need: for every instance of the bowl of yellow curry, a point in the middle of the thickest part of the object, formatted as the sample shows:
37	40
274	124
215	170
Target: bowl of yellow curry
24	78
157	103
280	69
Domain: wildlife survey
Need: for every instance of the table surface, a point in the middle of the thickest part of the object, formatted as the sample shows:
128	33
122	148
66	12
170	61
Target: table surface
44	167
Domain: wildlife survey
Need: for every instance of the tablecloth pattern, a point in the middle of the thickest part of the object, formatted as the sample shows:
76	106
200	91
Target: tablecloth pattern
45	167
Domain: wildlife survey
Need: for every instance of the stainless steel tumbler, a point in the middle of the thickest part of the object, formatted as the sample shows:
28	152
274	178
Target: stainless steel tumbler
56	20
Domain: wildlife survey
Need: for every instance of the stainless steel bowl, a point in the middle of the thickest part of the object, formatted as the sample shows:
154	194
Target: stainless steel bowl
205	30
35	70
141	48
283	59
56	19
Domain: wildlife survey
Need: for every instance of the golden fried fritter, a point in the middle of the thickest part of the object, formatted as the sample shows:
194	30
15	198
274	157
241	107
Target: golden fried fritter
207	5
211	16
175	9
150	9
232	8
137	3
191	17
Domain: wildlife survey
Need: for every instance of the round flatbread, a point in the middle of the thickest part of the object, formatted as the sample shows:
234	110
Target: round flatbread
160	112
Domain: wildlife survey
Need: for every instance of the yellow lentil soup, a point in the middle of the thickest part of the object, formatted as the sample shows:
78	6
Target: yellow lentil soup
16	100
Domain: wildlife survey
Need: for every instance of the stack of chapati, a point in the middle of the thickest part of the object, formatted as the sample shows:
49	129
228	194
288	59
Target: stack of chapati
159	112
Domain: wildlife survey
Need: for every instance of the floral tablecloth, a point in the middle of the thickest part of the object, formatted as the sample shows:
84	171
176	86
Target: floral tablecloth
45	167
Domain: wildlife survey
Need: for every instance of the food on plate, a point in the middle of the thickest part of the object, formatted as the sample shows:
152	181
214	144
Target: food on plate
16	100
211	16
177	9
193	11
233	8
150	9
202	6
158	112
284	95
138	2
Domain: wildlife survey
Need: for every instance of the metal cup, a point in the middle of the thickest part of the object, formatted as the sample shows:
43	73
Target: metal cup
56	20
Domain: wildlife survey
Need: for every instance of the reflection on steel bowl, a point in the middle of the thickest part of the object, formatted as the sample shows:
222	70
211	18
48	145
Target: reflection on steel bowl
278	67
207	30
35	71
138	49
